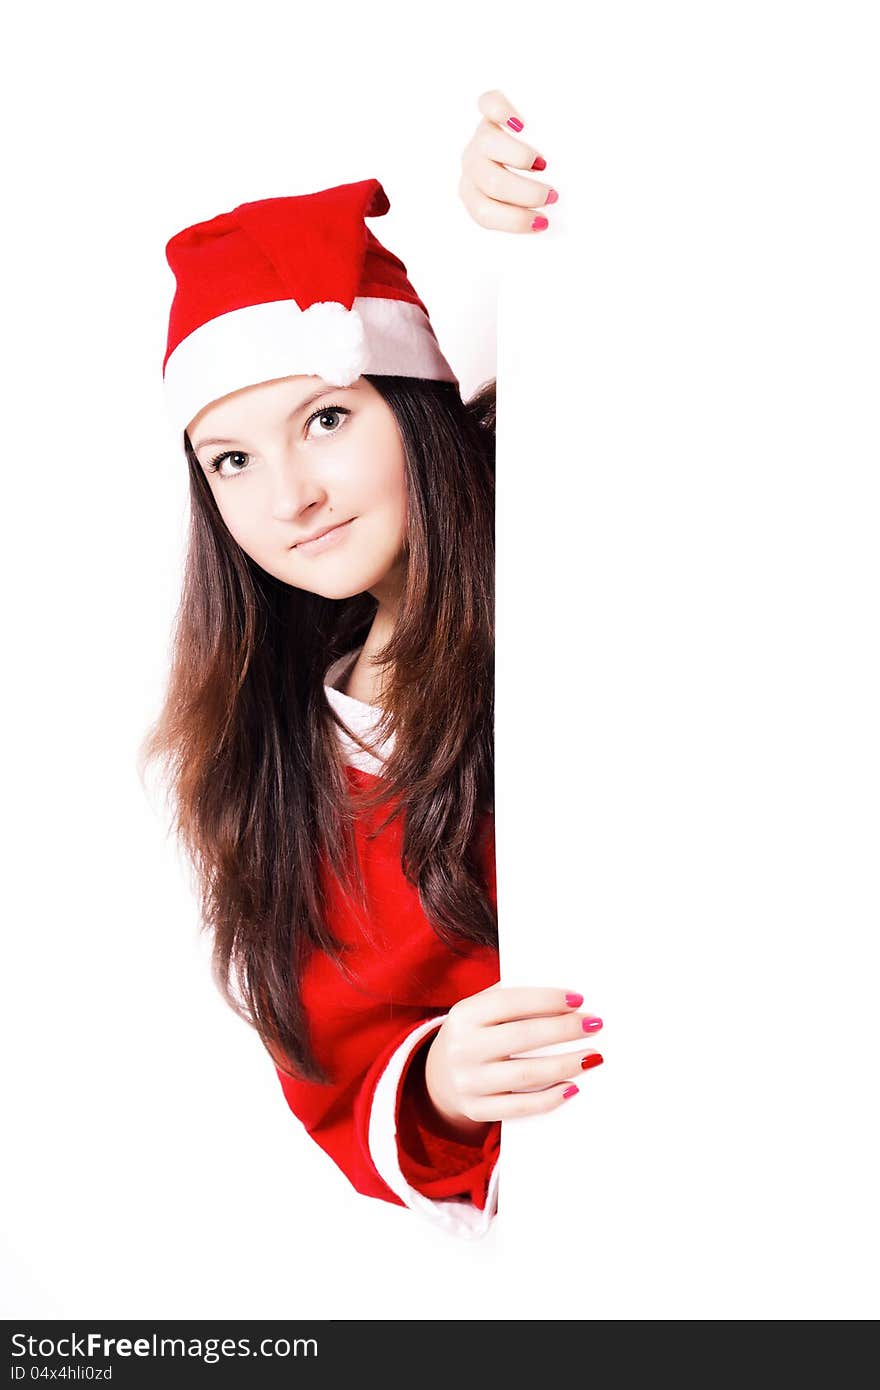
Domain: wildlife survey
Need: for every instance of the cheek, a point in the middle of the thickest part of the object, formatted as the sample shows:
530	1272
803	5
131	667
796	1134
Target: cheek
386	486
398	501
244	528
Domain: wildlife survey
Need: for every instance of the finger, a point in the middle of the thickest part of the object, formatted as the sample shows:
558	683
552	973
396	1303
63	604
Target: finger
500	1003
500	145
499	217
501	1041
510	1107
501	184
495	106
522	1074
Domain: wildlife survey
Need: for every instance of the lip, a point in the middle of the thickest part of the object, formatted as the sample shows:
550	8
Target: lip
325	539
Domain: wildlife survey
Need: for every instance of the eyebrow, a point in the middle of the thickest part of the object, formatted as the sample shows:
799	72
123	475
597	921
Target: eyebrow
316	395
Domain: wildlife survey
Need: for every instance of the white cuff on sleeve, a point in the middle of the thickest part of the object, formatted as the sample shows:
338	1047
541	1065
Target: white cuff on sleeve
455	1214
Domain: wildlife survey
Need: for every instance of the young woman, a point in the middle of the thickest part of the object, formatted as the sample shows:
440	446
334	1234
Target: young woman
327	728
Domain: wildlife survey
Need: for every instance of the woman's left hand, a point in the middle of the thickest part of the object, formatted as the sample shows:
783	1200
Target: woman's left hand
494	196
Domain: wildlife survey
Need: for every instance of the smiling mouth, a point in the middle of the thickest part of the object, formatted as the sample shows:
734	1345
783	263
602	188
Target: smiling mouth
323	536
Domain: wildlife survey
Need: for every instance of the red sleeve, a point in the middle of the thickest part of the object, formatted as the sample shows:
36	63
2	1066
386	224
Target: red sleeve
374	1119
434	1162
337	1116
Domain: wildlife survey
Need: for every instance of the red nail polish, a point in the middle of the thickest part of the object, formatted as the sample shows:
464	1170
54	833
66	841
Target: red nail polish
591	1024
515	123
539	224
552	196
574	1001
593	1060
540	163
570	1091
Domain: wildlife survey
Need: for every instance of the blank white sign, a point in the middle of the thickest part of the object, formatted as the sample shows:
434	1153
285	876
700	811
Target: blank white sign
687	665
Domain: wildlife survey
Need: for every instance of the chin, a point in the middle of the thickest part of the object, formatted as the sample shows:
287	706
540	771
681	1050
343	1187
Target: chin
338	586
334	580
337	591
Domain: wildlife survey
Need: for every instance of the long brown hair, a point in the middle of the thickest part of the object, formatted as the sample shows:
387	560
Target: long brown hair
246	734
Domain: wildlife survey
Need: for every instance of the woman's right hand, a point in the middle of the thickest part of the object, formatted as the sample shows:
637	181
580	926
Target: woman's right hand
470	1072
494	196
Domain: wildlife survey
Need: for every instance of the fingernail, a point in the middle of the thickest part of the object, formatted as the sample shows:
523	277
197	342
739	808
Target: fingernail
515	123
591	1024
551	197
574	1001
570	1091
592	1061
540	163
539	224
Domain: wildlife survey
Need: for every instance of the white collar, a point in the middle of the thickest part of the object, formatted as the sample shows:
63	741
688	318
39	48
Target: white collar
360	717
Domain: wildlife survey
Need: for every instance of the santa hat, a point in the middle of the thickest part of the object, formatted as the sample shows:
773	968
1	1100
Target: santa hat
289	287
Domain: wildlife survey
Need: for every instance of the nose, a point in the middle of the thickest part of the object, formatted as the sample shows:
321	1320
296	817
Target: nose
294	493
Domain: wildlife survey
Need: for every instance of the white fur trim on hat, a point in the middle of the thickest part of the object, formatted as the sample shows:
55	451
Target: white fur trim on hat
264	342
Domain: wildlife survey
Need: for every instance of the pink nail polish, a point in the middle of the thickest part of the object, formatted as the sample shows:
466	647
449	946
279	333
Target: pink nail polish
552	196
574	1001
540	163
570	1091
591	1024
515	123
539	224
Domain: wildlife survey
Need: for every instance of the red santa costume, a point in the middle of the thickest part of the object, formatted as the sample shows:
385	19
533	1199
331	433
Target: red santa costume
300	286
377	1122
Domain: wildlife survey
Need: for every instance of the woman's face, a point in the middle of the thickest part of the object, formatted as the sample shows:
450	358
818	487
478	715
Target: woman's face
288	458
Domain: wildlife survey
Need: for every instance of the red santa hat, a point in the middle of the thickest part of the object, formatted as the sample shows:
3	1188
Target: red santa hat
289	287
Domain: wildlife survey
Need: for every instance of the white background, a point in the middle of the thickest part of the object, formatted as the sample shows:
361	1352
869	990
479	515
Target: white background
687	652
